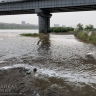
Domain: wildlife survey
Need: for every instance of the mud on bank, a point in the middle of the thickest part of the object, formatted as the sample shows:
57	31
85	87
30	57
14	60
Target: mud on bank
15	82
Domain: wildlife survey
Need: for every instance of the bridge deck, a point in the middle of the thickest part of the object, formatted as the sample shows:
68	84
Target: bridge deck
51	6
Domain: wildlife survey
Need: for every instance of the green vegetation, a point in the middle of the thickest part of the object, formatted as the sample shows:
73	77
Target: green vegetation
33	34
89	27
17	26
61	29
84	37
87	34
80	27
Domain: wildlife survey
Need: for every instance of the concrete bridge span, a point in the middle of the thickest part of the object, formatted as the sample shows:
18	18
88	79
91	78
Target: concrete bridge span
44	8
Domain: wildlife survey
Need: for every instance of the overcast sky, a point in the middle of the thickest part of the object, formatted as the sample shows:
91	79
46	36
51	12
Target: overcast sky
68	18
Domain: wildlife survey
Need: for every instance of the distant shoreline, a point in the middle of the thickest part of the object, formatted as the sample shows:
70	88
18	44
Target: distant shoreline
17	26
19	29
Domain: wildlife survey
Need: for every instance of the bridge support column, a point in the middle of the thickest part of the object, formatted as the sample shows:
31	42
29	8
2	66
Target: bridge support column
44	22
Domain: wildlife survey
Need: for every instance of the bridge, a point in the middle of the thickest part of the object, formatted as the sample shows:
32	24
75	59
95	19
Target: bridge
44	8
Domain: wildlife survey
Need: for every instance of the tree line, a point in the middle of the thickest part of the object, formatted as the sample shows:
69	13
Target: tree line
80	27
61	29
17	26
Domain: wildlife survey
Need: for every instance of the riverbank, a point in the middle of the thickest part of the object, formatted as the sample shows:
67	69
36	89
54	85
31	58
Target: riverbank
86	38
63	33
32	34
41	34
79	35
15	82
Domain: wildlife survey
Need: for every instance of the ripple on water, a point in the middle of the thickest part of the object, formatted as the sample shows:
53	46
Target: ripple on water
69	76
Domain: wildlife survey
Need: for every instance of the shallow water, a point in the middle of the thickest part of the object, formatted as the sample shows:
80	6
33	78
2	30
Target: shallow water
60	56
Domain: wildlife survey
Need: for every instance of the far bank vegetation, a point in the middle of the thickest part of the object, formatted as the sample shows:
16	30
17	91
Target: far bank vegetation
61	29
17	26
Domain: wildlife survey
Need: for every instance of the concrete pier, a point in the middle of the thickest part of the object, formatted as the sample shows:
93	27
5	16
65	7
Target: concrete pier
44	22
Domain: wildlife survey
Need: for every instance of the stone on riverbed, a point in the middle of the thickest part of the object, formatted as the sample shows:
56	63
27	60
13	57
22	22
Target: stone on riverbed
27	70
35	70
89	54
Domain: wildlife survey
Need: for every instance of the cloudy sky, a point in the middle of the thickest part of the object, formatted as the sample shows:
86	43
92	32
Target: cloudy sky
68	18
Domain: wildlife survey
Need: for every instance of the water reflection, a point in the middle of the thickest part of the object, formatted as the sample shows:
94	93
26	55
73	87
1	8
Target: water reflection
44	45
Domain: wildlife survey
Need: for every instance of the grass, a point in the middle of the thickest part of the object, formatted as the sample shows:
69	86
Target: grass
84	37
32	34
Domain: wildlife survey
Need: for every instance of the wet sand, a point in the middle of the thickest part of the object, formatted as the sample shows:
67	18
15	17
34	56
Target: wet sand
16	82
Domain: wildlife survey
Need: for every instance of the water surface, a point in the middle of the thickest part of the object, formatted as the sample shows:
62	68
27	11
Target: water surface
62	57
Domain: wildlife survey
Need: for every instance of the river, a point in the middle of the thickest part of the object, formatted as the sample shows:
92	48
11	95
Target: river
62	57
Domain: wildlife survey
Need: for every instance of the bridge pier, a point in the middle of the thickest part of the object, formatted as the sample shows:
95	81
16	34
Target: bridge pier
44	22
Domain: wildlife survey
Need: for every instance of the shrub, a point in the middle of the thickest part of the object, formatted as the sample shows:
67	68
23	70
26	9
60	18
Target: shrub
84	36
61	29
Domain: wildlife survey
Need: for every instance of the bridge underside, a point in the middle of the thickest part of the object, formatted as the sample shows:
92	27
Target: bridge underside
71	9
14	12
44	15
51	10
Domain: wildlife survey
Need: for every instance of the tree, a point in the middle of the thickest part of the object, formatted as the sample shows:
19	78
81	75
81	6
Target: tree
80	27
89	27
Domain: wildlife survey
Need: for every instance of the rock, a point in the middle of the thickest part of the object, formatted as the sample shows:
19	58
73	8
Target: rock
35	70
27	69
89	54
28	72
